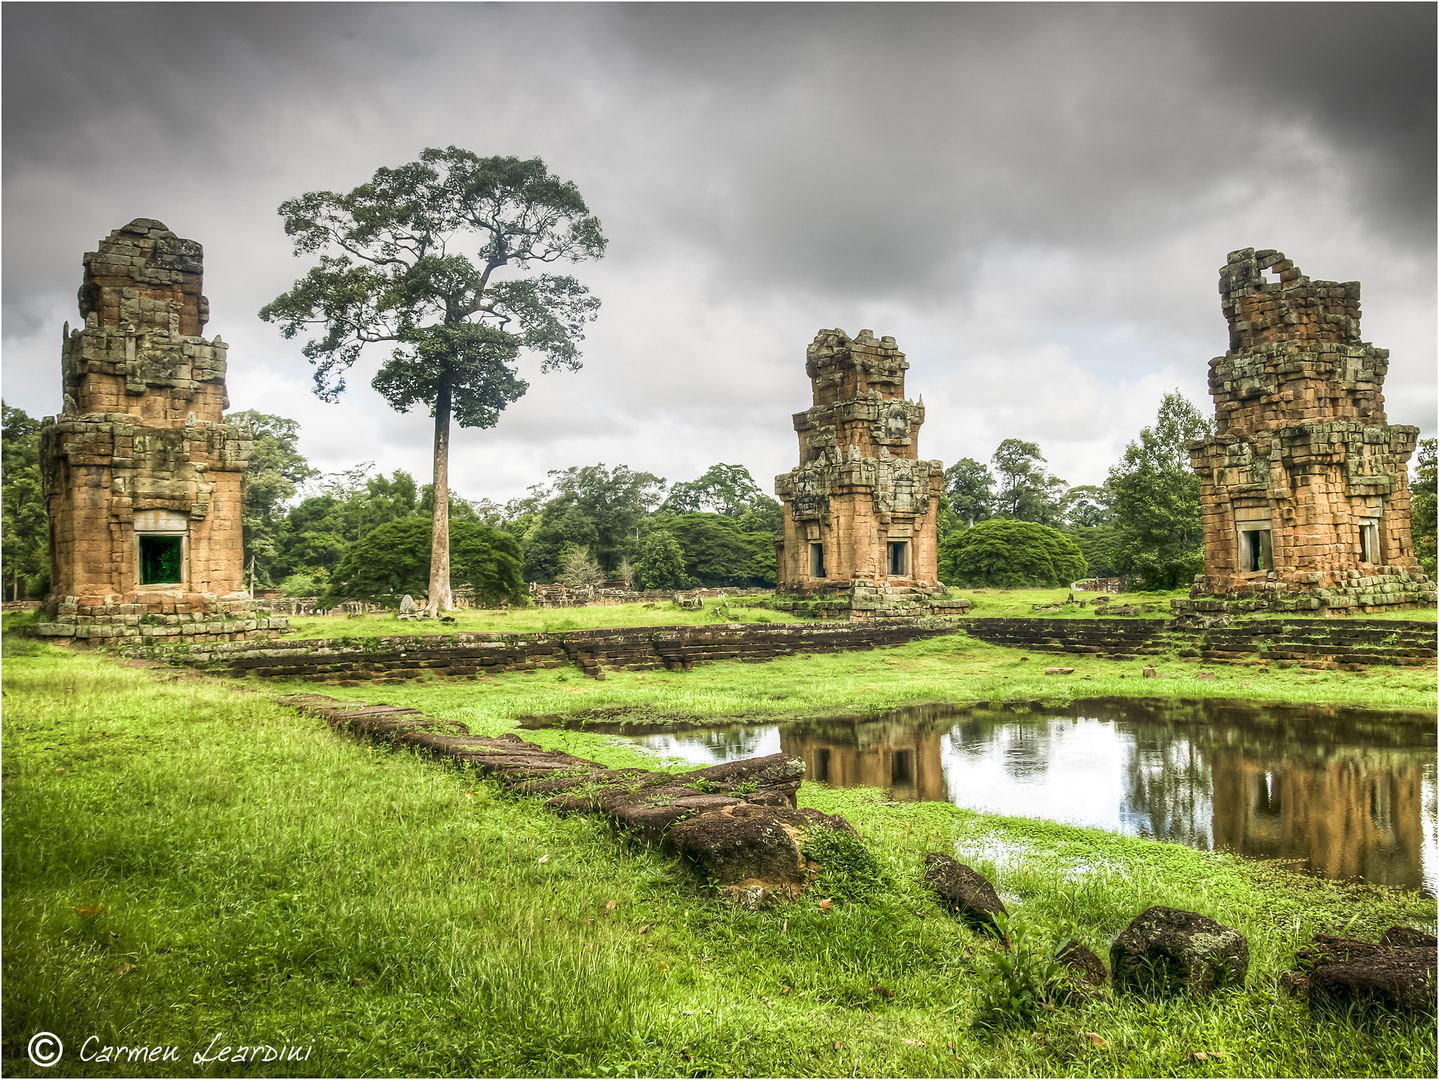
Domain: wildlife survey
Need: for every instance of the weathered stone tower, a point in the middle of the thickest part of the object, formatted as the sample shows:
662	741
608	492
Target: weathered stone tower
860	509
144	481
1303	487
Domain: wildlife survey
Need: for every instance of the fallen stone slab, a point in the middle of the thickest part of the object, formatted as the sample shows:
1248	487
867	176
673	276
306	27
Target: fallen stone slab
1397	975
1059	671
963	890
1166	950
737	822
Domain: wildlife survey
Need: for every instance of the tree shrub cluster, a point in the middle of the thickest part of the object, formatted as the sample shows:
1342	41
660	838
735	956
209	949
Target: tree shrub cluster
1142	523
1006	554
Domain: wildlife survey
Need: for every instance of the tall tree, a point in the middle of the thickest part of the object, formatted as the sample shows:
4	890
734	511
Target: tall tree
1087	506
1027	491
970	486
723	489
611	501
1422	509
273	475
414	259
1155	498
24	521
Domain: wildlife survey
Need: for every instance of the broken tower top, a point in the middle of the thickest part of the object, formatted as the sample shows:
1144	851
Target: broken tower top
144	276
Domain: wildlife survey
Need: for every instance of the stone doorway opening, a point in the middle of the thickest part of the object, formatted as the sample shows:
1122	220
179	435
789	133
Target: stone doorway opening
899	558
816	560
1257	549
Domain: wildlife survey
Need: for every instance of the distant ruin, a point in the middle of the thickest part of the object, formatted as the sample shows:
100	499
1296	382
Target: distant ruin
860	509
144	482
1303	487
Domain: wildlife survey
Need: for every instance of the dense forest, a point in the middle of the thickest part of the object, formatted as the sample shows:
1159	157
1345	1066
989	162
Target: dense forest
360	533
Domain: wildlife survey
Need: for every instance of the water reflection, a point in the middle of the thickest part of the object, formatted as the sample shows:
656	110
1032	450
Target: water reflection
1341	792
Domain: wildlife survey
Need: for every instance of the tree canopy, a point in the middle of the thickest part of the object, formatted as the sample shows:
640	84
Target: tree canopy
24	519
1155	498
394	558
1422	508
413	260
1008	554
1027	491
273	475
970	487
723	489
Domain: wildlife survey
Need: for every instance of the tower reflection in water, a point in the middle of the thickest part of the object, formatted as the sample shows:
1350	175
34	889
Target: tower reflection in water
1339	792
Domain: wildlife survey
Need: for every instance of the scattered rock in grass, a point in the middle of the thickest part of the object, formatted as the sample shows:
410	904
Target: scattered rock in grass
1207	676
1149	673
1406	937
1398	974
1081	960
963	890
1165	950
1059	671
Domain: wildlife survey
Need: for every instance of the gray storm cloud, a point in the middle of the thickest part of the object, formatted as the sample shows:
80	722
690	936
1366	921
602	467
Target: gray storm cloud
1034	199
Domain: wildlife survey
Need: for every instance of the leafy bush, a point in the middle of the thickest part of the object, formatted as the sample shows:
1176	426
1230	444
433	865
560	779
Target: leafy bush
1018	985
1005	554
394	559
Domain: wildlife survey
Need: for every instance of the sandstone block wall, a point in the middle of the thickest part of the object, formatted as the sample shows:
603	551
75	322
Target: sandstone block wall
1304	488
860	486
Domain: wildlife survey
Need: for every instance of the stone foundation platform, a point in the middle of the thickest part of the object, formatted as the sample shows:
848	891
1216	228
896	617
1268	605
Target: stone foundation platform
867	600
1389	588
165	618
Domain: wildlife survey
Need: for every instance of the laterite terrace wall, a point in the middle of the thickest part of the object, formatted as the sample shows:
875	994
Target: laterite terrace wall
1313	642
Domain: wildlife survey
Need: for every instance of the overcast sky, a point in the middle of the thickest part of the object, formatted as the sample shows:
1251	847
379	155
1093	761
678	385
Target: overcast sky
1033	200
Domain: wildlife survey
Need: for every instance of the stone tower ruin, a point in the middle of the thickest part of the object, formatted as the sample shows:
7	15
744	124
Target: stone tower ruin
860	509
144	482
1303	487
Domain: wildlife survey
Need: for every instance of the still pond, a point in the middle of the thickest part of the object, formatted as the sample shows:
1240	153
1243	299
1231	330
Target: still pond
1345	793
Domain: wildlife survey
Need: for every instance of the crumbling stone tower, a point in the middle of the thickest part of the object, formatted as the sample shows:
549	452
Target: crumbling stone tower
144	481
861	506
1303	487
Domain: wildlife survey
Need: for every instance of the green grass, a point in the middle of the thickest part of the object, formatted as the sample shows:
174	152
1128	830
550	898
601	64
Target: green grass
273	881
954	668
1020	603
1426	614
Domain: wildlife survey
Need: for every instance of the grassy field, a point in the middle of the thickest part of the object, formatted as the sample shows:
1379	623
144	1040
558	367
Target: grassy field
954	668
187	864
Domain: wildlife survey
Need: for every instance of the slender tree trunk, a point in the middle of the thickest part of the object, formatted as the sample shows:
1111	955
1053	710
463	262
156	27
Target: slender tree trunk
440	533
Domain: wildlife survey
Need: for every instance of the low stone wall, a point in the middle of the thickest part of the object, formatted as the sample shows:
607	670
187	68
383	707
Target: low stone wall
1101	637
1322	643
674	648
1312	642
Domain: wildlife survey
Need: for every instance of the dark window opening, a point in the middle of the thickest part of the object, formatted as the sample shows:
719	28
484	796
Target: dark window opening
1369	543
1258	550
161	561
821	764
816	560
899	558
901	767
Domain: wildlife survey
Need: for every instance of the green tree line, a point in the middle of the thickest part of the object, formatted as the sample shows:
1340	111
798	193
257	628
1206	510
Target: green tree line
354	533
